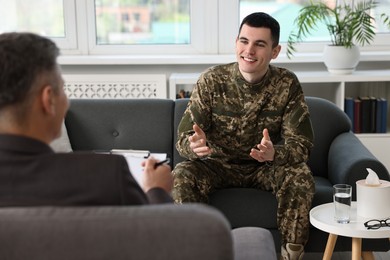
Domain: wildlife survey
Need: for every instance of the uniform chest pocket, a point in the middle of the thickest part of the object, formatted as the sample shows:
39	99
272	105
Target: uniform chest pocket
226	120
270	119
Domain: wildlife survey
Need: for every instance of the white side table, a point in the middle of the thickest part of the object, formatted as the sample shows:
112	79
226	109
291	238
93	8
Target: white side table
322	217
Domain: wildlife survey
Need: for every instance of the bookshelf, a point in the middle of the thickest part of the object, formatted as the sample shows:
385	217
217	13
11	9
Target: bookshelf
333	88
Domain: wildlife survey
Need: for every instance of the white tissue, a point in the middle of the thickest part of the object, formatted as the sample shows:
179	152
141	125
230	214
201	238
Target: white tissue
372	178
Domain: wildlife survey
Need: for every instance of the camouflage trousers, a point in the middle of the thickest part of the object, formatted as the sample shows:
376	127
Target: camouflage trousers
293	187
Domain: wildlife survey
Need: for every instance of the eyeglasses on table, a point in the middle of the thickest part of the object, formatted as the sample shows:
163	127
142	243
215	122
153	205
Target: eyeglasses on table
377	224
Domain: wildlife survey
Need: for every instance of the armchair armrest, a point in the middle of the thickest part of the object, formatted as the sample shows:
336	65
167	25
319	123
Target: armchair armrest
252	243
348	159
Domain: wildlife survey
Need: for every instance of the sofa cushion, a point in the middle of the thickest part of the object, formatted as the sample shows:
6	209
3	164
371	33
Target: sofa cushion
259	209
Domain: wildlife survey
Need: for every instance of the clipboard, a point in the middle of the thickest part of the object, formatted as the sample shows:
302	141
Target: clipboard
135	158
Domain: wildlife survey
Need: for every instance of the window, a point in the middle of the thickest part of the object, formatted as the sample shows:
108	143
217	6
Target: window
50	24
149	27
284	12
383	7
142	22
50	18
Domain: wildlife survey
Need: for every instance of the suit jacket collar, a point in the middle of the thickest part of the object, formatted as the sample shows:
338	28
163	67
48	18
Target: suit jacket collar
23	144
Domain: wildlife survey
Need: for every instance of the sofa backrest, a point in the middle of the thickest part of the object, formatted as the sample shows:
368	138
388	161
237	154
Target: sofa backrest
328	121
158	232
105	124
151	124
180	107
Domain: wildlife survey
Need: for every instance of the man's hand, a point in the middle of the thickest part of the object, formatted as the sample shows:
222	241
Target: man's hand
265	150
198	142
159	177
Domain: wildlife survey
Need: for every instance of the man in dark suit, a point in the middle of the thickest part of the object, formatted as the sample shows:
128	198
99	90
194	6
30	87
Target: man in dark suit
32	107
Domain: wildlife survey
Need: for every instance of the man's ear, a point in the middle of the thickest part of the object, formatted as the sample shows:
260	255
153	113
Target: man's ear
276	51
48	100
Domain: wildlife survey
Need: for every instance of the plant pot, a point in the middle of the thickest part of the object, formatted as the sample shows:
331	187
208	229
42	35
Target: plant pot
341	60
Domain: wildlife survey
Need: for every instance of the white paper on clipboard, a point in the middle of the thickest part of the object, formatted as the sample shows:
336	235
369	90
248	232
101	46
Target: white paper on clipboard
134	160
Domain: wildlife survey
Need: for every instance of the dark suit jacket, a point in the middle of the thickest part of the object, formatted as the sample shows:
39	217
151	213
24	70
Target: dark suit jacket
32	174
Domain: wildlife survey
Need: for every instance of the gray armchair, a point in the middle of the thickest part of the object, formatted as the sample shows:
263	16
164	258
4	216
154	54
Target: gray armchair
190	232
338	157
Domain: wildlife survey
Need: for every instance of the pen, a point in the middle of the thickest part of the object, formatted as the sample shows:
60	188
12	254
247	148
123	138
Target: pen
161	163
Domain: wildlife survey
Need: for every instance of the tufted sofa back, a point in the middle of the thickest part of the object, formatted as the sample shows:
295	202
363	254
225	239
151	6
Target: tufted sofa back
105	124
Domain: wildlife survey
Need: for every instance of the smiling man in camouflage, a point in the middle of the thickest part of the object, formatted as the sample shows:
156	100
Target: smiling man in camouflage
247	125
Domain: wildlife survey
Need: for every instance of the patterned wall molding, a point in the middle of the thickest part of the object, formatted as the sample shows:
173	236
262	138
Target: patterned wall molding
115	86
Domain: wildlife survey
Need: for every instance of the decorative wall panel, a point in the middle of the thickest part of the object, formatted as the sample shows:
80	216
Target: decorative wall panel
110	86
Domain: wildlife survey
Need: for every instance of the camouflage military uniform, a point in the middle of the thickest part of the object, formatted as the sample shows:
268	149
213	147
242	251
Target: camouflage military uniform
233	114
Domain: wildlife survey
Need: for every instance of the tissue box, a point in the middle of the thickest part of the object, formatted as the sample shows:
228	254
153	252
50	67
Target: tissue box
373	201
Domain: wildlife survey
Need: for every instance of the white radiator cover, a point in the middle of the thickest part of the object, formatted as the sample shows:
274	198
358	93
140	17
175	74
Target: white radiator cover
115	86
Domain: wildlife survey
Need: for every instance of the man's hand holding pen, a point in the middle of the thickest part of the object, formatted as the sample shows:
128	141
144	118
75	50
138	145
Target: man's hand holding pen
161	163
157	175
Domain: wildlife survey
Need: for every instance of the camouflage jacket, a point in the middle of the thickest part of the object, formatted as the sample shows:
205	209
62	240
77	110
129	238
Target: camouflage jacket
233	113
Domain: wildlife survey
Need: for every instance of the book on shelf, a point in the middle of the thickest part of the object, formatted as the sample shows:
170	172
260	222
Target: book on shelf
356	116
367	114
348	107
381	115
373	111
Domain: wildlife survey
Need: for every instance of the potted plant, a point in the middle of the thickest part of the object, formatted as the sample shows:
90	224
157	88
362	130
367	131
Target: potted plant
348	25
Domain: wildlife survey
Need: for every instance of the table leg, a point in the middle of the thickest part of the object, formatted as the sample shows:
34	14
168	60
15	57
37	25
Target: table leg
368	255
356	248
332	238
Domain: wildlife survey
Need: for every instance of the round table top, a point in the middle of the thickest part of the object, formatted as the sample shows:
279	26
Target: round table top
322	217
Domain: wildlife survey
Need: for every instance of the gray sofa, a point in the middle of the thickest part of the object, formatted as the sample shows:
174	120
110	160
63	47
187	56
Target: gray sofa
159	232
338	156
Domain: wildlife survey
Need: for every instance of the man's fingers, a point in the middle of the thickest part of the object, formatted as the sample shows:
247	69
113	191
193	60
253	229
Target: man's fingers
197	129
198	142
257	155
266	135
198	136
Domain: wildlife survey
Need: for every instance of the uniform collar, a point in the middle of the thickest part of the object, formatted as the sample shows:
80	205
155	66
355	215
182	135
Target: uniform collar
246	85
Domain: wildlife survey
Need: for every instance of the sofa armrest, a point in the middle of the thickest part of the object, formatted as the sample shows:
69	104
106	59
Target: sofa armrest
348	159
252	243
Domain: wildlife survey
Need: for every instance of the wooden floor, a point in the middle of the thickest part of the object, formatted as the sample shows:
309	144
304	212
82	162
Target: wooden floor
345	256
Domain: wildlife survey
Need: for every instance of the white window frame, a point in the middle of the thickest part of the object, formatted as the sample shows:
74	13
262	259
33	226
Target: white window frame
204	24
214	28
69	42
228	14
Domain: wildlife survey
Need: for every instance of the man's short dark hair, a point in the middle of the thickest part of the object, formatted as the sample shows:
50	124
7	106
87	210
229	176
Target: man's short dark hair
263	20
24	57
